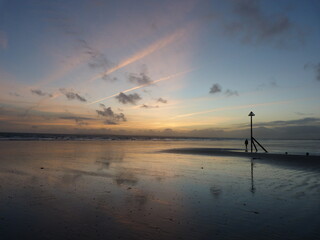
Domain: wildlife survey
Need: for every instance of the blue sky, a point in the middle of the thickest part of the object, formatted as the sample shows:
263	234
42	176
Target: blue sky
194	67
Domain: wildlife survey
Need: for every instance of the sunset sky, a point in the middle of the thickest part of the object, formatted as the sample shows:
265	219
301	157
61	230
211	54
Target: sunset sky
175	68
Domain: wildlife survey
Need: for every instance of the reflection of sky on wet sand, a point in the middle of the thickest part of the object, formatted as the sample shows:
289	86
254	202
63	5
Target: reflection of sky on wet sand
128	189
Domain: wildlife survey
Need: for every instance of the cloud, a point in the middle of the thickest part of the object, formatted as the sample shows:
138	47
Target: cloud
315	68
281	132
296	122
215	88
98	60
95	58
305	128
3	40
142	78
271	84
162	100
40	93
254	25
144	52
75	118
130	98
81	123
109	122
303	114
14	94
145	85
139	79
296	132
307	66
149	106
230	93
112	118
79	120
72	95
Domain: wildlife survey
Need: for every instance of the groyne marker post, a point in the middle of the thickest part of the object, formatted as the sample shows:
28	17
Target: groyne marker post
251	114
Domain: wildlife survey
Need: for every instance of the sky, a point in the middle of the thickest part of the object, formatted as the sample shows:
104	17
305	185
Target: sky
169	68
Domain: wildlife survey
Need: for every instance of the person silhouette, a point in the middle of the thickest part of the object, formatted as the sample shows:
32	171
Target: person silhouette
246	143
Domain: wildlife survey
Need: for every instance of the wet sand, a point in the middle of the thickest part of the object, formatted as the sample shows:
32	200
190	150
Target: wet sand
234	152
142	190
305	160
290	161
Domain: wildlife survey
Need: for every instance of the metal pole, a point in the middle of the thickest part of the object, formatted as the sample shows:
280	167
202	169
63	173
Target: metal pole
251	114
251	132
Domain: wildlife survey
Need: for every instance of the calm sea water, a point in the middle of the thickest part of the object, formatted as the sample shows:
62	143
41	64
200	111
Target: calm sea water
300	147
132	190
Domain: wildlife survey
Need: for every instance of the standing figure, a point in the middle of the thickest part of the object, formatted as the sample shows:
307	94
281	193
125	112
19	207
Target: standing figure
246	143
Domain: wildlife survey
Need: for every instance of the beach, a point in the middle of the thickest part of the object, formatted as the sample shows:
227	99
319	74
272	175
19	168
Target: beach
141	120
155	190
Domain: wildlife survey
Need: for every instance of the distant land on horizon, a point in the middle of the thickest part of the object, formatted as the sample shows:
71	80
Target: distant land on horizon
77	136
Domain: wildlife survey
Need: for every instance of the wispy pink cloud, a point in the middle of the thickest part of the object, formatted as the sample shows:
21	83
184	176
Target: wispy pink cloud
143	53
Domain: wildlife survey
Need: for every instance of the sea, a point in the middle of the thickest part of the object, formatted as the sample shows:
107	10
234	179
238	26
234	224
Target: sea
296	147
56	186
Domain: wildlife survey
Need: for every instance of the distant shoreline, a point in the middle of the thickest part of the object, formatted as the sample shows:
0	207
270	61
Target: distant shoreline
11	136
28	136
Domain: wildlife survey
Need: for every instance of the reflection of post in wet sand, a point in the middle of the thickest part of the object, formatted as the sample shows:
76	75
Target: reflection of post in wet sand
253	189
